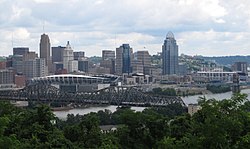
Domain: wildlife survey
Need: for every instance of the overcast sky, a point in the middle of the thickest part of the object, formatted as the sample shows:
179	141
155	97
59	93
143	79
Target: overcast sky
201	27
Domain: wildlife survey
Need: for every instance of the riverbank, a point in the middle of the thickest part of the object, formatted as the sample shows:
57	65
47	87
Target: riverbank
187	100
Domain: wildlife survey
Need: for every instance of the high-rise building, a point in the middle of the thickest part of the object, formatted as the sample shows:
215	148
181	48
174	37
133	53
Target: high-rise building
108	60
141	62
170	55
110	64
79	55
67	56
123	59
35	68
73	66
45	50
17	63
83	65
20	50
30	55
108	54
6	77
57	54
240	66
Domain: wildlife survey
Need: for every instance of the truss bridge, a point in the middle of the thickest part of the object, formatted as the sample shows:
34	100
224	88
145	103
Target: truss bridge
113	95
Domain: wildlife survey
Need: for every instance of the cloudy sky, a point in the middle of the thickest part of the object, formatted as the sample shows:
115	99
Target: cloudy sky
201	27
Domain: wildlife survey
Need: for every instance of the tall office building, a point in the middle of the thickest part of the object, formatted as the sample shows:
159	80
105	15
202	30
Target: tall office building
35	68
83	65
17	63
79	55
108	60
67	56
123	59
141	62
45	48
6	76
108	54
170	55
45	51
240	66
20	50
57	54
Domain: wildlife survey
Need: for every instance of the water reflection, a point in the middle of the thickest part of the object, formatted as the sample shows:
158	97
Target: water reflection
187	100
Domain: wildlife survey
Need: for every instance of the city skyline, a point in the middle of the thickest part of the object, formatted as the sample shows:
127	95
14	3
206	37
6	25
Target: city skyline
209	27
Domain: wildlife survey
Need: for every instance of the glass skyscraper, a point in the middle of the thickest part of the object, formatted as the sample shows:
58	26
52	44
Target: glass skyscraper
169	55
123	59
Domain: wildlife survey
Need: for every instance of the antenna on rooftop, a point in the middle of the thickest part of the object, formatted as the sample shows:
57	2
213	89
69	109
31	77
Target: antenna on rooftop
43	26
12	40
115	40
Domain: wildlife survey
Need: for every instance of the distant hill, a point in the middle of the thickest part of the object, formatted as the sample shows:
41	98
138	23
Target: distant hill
228	60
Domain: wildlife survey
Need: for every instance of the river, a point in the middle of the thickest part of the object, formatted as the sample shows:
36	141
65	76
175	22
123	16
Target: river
187	100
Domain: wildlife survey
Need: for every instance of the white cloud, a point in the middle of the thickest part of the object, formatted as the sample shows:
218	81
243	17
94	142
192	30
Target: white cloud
105	24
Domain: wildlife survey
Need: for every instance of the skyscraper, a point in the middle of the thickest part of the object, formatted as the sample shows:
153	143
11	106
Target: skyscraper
169	55
20	50
123	59
67	56
108	60
240	66
79	55
45	48
57	54
141	62
108	54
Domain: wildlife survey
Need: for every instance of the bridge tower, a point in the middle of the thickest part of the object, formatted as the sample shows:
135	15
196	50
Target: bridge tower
236	85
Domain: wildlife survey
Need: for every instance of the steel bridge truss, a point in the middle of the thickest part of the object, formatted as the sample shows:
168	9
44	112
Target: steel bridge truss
114	95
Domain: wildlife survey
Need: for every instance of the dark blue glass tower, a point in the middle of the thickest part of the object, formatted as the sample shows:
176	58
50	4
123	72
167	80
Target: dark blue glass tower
126	59
170	55
123	59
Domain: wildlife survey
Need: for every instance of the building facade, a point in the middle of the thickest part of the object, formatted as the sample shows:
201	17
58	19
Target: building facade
20	50
108	54
240	66
78	55
83	65
57	54
67	56
123	59
45	48
35	68
141	62
6	77
170	55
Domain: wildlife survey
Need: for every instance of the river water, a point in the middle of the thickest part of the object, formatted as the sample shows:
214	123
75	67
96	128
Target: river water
187	100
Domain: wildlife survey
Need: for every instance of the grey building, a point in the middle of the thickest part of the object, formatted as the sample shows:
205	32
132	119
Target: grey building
17	63
6	76
79	55
57	54
45	48
240	66
20	50
35	68
108	60
183	69
169	55
83	65
108	54
141	62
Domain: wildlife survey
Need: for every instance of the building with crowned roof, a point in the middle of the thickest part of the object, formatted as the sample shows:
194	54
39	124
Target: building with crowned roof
170	55
68	59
